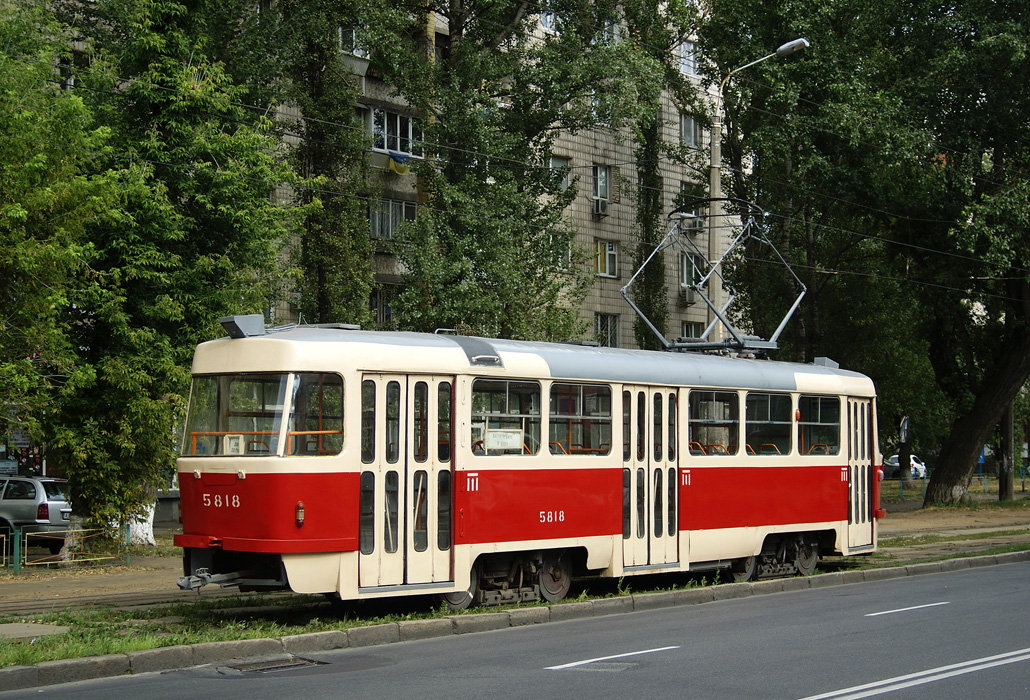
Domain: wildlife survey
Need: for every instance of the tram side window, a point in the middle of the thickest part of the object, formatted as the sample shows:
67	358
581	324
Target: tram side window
713	423
367	513
627	443
505	417
420	421
819	425
316	416
368	421
235	414
580	419
443	425
767	424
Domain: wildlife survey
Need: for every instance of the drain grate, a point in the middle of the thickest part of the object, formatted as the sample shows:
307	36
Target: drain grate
275	666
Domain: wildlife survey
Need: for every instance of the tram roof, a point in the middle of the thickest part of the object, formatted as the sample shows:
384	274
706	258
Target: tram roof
392	351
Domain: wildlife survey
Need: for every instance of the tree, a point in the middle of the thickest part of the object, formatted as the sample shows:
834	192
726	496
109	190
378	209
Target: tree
896	166
336	257
52	189
196	238
491	250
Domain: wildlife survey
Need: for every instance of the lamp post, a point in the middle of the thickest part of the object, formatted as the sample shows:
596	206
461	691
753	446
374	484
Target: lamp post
715	213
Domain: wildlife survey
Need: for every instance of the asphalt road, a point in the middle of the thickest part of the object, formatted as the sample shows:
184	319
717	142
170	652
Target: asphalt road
955	635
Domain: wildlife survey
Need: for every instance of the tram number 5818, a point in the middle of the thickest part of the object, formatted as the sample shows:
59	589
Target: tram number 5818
219	501
552	516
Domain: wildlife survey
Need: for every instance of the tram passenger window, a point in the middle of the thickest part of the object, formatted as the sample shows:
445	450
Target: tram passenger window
420	511
420	421
658	510
443	422
316	415
714	423
367	513
393	422
658	425
368	421
505	417
627	502
672	428
641	503
390	515
443	511
819	425
627	442
767	424
580	419
673	525
641	426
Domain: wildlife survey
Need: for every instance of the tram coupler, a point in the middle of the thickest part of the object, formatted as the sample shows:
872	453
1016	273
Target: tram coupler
202	577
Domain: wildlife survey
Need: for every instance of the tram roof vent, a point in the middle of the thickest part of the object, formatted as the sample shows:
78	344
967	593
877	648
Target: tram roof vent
825	362
243	326
479	352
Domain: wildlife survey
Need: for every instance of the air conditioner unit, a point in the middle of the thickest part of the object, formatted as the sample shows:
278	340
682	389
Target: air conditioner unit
694	225
601	207
687	295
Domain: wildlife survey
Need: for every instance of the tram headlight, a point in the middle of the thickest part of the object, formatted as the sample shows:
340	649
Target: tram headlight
299	512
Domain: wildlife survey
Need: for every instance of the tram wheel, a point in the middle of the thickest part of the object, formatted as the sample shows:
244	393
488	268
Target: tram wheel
462	600
745	569
807	557
555	577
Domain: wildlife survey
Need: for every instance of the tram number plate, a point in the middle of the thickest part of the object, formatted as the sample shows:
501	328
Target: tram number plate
218	500
552	516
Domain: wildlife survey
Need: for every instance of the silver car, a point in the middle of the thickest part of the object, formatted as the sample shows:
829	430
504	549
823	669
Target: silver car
37	506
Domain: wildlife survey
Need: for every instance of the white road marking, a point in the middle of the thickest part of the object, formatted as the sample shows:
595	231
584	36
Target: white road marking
914	607
923	677
608	658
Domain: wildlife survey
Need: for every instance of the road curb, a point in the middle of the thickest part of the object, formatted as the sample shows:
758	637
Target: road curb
175	657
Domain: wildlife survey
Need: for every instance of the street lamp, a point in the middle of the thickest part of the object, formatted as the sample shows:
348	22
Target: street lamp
715	173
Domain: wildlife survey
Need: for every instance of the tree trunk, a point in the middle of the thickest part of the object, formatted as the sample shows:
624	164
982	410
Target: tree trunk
1005	465
969	431
141	530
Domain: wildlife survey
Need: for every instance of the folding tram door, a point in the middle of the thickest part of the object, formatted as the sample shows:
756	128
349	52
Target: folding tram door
406	495
650	528
860	473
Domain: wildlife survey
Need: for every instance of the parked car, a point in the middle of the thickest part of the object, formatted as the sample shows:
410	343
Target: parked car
36	505
892	470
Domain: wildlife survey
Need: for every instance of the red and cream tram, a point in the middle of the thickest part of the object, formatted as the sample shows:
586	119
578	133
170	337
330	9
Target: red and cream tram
366	464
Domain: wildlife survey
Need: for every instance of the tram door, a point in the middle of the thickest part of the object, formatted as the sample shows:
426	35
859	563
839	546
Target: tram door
860	473
650	532
406	495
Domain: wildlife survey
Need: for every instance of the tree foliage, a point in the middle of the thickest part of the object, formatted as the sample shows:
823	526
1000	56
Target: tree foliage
51	190
897	188
194	236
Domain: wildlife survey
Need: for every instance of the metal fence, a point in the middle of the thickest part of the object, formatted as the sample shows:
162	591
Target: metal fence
61	549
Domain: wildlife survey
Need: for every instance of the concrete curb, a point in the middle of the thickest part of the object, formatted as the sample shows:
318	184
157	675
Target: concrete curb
170	658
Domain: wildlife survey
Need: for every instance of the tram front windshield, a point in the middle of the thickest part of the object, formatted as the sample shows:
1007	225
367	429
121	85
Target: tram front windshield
242	415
